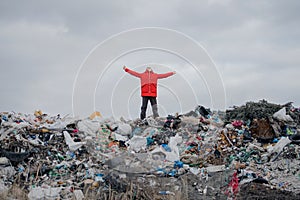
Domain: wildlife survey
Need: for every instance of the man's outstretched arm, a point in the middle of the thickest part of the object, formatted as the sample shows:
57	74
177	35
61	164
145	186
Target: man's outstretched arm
166	74
134	73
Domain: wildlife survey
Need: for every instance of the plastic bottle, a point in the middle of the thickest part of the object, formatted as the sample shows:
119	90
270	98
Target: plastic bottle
166	192
166	147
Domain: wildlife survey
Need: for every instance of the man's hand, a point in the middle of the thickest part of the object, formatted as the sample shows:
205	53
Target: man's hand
174	72
124	67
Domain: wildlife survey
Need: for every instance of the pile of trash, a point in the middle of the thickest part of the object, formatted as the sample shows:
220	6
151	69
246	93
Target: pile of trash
202	154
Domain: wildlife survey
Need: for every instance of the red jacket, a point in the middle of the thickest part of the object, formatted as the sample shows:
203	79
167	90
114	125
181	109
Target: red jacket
148	81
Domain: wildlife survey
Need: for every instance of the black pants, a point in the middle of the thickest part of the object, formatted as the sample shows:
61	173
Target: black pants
144	106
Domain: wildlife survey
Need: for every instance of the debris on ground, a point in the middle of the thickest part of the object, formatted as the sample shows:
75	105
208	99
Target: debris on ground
247	152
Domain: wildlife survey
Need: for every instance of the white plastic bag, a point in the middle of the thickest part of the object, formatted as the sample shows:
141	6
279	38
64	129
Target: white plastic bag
124	129
174	154
44	193
282	116
73	146
88	127
137	143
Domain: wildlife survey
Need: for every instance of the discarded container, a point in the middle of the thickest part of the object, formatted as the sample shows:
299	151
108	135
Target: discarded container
166	193
166	147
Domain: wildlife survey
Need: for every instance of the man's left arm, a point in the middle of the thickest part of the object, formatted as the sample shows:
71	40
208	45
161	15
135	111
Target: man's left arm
166	74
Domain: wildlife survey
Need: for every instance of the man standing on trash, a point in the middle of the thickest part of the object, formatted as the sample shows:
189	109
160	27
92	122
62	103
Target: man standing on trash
148	88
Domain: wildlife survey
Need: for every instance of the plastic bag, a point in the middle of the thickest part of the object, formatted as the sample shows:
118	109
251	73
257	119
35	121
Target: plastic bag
282	116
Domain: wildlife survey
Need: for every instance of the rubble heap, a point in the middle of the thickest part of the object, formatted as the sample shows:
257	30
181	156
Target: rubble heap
191	156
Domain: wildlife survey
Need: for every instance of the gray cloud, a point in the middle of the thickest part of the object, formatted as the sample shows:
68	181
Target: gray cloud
255	45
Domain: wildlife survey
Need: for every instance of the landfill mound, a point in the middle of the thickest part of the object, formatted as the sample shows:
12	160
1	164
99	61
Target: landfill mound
250	110
248	152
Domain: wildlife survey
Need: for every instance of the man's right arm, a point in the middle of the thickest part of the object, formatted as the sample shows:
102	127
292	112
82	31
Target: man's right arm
134	73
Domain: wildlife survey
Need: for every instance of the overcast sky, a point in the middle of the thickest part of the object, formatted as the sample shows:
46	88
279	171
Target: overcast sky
254	44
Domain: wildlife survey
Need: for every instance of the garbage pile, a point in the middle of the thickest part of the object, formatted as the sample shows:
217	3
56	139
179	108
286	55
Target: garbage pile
263	141
198	155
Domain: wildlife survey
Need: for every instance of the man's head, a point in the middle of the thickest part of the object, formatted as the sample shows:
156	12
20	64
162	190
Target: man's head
149	69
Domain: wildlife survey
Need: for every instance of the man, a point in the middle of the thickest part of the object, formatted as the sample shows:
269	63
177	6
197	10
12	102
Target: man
148	88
